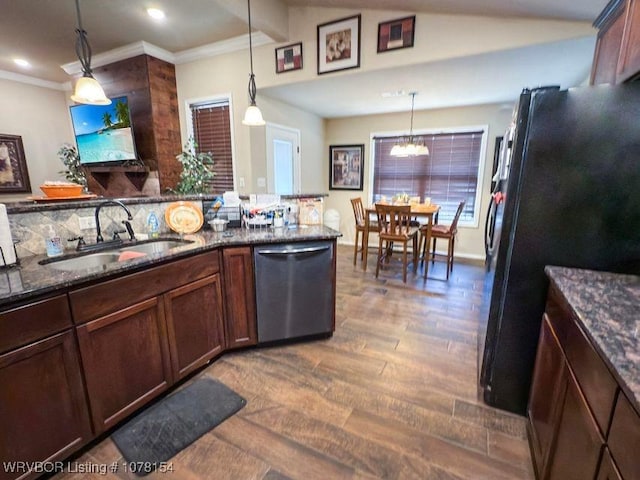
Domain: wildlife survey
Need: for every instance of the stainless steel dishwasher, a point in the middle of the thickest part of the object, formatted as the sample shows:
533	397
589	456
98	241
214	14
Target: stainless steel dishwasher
295	289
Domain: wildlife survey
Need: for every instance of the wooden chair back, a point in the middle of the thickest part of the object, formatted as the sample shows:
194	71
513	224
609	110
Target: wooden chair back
453	228
358	210
394	222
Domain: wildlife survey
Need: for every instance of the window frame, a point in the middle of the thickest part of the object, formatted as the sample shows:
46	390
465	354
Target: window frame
475	221
221	97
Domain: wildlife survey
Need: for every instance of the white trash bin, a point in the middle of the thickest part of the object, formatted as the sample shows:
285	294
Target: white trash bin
332	219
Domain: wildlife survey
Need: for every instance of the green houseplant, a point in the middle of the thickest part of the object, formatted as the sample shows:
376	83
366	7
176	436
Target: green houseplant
68	155
197	170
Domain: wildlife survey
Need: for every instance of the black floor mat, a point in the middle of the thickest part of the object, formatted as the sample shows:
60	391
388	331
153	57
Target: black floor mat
157	434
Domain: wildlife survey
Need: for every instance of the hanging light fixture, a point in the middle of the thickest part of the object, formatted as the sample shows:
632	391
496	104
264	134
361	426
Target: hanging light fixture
88	90
253	115
407	147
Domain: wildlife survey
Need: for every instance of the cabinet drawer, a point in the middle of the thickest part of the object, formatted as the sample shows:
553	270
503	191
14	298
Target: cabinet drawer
110	296
34	321
596	382
624	439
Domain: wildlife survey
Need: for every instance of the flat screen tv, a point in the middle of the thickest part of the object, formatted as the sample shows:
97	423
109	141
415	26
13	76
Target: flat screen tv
103	132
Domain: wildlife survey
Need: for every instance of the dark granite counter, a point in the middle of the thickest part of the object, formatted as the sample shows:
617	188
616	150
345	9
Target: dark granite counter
608	306
30	279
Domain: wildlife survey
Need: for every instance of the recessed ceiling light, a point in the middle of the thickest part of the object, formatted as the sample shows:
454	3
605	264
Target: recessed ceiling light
155	13
22	62
395	93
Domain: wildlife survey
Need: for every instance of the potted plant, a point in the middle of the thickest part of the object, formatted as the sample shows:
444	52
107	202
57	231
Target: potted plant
69	157
197	170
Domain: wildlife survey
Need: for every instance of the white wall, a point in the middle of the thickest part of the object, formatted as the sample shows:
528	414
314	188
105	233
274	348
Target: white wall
356	130
41	117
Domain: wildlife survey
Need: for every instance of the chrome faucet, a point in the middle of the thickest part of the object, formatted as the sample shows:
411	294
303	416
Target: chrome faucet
127	222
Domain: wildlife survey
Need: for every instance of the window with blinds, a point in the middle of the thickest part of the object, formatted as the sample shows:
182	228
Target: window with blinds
448	175
212	133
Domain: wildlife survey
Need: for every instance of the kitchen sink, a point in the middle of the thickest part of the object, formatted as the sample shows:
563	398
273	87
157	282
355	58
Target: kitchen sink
85	262
155	246
113	254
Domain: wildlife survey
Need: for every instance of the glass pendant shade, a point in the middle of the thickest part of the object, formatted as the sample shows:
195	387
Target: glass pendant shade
253	117
89	91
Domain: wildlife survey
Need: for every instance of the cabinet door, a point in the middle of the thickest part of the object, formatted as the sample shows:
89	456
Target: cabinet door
605	61
578	441
240	297
608	469
547	392
629	62
126	361
43	411
194	324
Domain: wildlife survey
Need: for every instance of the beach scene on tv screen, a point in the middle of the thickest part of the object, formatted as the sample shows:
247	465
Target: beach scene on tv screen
103	132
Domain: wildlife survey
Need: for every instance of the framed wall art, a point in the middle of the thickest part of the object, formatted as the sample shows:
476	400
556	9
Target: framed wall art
289	58
396	34
14	177
346	170
339	45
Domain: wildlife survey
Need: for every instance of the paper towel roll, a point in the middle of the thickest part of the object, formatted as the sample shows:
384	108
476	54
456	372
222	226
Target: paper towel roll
6	242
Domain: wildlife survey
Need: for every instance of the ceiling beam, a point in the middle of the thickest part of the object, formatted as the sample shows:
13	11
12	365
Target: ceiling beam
271	17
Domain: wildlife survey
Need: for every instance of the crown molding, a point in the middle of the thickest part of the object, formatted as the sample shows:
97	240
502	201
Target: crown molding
219	48
121	53
38	82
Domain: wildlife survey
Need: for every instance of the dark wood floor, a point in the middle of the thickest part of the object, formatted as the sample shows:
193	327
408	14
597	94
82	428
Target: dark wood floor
392	395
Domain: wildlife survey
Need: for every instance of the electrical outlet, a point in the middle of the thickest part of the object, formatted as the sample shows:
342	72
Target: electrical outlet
87	223
241	182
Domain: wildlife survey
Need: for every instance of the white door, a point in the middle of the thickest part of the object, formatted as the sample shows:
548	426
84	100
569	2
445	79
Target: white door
283	159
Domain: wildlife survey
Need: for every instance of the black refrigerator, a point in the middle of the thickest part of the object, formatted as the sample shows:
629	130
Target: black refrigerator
572	199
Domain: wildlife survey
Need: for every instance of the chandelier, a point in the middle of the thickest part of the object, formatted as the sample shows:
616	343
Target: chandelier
408	147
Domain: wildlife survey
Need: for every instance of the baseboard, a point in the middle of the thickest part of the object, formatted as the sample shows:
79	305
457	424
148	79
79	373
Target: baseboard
462	255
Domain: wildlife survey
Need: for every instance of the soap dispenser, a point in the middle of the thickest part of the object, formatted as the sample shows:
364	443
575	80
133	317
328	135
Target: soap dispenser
153	225
53	243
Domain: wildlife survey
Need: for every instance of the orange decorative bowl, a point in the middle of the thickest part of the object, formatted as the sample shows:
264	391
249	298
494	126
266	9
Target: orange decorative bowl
66	190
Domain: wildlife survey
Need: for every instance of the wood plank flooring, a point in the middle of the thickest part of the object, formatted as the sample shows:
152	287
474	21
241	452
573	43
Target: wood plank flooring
392	395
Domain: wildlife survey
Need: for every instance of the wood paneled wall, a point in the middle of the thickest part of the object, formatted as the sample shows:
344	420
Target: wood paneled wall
150	86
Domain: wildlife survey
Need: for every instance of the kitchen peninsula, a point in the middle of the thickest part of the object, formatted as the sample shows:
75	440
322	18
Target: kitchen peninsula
82	349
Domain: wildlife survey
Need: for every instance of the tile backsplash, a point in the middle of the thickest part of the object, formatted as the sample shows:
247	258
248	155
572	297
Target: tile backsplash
31	228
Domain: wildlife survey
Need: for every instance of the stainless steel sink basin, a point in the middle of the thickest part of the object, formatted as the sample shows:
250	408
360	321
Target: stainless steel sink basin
84	262
113	255
155	246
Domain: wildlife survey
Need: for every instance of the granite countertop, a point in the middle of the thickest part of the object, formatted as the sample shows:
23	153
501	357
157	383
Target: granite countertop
30	279
608	306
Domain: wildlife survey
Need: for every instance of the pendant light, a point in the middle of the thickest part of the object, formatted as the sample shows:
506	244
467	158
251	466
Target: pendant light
408	148
88	90
253	115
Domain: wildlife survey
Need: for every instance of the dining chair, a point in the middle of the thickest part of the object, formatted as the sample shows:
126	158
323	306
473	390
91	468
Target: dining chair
442	231
394	226
362	234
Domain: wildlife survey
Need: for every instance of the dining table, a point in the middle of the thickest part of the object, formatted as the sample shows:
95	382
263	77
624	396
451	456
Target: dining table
422	210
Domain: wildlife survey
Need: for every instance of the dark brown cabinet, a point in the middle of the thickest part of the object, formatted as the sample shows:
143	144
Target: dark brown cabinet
581	424
126	361
617	55
240	300
547	395
43	409
194	324
608	469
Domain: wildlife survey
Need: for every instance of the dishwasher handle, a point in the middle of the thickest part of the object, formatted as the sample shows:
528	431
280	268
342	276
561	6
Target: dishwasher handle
321	248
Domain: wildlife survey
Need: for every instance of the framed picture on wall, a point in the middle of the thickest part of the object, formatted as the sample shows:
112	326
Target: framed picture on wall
396	34
289	58
346	169
14	177
339	45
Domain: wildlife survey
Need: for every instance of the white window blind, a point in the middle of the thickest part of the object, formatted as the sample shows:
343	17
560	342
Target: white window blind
448	175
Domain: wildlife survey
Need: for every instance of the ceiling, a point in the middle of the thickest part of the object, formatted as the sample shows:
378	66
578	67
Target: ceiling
43	32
